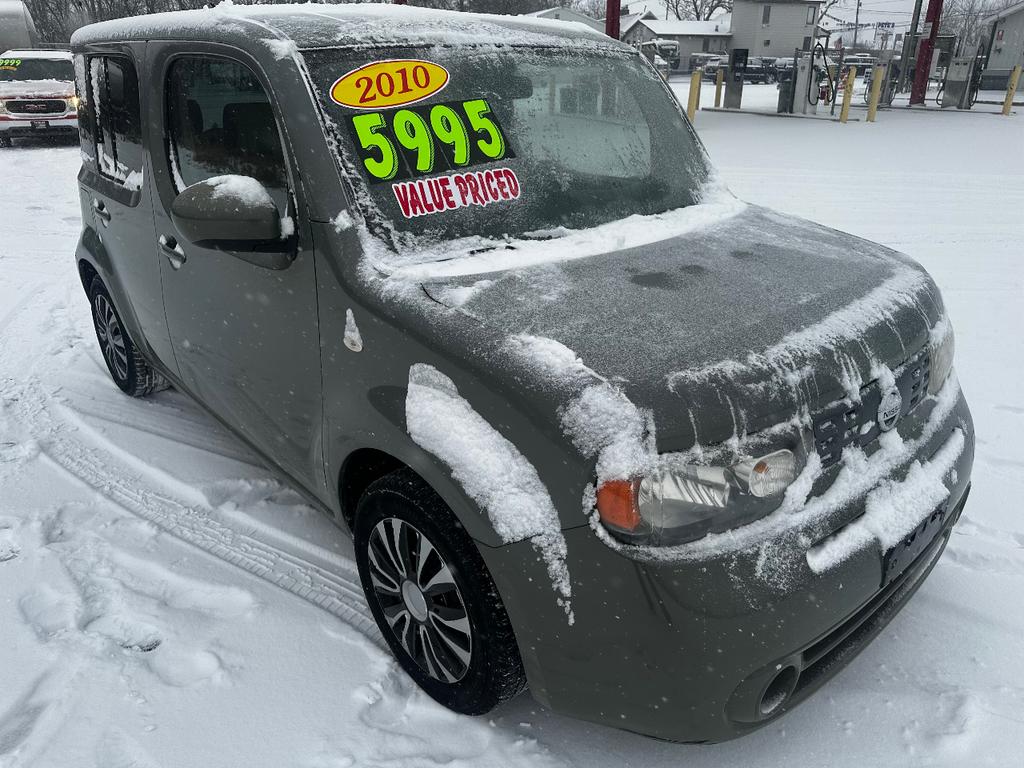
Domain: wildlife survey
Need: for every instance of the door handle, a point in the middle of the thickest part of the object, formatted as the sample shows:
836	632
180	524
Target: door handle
170	248
100	210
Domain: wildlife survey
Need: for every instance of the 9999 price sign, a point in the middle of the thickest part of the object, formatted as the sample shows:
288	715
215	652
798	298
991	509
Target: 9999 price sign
420	140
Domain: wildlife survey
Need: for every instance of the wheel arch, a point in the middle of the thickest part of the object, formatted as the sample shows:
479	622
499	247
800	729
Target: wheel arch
360	469
359	461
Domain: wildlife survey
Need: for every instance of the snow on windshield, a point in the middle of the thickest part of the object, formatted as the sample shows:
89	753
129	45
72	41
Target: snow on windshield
472	144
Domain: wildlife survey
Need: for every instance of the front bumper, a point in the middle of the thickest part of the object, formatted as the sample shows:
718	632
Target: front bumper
689	650
44	125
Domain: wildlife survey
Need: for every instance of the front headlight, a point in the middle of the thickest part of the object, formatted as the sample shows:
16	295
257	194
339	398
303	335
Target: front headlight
681	502
942	346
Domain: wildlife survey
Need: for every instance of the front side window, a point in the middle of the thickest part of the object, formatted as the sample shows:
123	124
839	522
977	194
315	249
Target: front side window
221	122
518	141
114	96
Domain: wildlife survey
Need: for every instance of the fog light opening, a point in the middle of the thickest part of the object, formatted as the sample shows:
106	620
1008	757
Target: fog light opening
778	691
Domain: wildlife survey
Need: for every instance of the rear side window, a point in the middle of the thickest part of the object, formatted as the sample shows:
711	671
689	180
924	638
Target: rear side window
117	123
220	121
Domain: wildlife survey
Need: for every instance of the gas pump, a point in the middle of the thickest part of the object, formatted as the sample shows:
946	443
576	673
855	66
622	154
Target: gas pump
734	82
805	86
808	90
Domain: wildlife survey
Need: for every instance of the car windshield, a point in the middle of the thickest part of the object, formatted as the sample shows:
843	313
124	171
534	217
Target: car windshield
517	142
14	69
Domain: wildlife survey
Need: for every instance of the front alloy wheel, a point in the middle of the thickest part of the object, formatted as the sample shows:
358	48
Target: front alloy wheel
420	600
432	596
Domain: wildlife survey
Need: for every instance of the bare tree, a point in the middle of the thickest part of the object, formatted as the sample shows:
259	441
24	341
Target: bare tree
964	18
824	8
699	10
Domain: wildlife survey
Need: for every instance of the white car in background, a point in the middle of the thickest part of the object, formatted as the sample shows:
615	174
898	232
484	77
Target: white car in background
37	95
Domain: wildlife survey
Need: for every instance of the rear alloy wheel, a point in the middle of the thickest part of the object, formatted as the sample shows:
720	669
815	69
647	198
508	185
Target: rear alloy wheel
129	370
433	597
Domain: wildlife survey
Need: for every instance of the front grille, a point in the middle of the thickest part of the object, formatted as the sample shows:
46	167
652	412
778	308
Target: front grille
847	423
37	106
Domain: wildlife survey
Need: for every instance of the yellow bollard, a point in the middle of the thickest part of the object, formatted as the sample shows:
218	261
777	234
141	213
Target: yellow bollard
848	95
719	81
876	92
1011	89
694	101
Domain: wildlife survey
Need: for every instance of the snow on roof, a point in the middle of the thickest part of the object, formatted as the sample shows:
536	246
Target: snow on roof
362	24
1010	10
679	28
35	53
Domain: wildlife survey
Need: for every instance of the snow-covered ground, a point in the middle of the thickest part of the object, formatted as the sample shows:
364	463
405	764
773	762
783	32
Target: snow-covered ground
164	602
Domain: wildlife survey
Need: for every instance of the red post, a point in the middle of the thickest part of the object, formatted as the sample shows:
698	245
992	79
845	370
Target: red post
923	62
611	18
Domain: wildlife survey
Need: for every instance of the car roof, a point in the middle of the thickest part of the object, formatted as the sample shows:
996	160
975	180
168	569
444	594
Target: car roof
35	53
354	25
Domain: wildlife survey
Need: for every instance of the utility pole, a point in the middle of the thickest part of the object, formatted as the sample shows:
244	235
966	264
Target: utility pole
924	56
909	44
856	28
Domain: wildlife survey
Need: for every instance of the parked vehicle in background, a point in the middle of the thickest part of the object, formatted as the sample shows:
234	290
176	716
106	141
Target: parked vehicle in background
650	49
37	95
759	71
669	51
17	30
862	61
709	63
470	283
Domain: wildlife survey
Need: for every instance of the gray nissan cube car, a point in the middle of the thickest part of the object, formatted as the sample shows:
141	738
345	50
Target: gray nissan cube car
597	427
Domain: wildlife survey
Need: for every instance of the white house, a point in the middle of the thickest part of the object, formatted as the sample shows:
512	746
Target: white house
692	36
1006	45
774	27
764	27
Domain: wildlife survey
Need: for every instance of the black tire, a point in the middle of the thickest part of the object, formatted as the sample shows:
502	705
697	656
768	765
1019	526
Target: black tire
129	370
5	141
403	505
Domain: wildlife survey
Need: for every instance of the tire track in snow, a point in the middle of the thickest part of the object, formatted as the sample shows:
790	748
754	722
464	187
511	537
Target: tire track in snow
338	593
335	589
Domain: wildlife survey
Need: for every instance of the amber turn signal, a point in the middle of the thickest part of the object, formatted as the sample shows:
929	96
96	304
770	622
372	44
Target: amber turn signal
617	504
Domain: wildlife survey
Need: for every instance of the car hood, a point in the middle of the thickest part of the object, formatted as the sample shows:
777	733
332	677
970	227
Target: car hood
36	89
726	330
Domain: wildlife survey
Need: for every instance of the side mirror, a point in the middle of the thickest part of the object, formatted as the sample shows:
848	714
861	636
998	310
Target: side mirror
226	211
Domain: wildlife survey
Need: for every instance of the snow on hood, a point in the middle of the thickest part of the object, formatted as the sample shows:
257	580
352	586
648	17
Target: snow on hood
60	89
743	322
478	256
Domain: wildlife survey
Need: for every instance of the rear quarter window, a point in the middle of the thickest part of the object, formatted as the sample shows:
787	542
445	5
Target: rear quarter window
114	118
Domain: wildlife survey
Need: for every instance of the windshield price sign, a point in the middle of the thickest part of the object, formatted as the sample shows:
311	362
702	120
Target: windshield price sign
417	141
389	83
